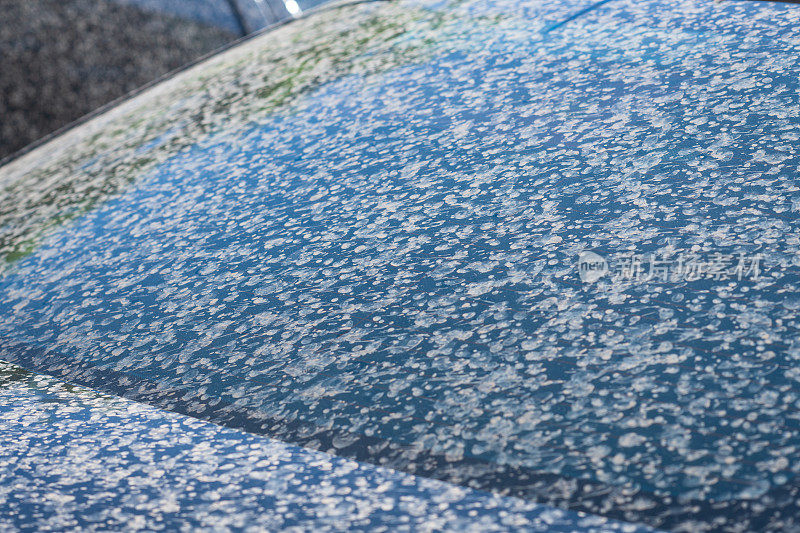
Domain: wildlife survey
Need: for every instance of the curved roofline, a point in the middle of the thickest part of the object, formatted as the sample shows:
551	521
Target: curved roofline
164	77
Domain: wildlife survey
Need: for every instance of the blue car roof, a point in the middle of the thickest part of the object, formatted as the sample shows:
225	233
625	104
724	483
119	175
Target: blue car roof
484	242
75	459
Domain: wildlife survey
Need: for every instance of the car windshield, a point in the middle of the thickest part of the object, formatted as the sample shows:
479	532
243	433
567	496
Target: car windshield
243	16
460	239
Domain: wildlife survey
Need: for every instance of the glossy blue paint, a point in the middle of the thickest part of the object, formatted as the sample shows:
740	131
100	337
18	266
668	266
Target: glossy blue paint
384	264
74	459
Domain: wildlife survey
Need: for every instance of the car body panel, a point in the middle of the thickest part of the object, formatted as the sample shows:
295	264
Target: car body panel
75	459
362	233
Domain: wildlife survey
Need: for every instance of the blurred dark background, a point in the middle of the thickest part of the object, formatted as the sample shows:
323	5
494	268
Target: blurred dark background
61	59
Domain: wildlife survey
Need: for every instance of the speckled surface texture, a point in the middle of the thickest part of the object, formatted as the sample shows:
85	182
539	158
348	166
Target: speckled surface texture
359	234
61	59
72	459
